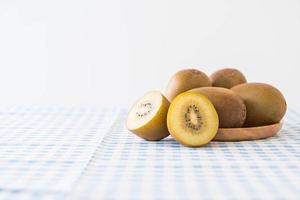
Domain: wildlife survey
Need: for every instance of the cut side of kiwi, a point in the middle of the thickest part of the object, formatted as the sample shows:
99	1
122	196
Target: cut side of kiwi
147	117
250	133
192	119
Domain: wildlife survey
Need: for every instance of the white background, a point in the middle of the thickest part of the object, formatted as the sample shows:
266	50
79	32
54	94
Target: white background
110	52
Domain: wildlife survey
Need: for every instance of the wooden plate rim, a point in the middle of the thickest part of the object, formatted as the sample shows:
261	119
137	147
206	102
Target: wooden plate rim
247	133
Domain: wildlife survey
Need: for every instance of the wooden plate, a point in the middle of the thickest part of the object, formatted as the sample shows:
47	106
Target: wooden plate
251	133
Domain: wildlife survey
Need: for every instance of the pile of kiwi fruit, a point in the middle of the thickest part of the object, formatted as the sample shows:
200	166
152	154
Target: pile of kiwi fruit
197	109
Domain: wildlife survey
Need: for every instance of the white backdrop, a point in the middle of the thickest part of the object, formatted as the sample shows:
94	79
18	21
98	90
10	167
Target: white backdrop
108	53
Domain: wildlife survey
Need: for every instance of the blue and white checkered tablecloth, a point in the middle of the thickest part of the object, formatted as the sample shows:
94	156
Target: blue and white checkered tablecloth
83	153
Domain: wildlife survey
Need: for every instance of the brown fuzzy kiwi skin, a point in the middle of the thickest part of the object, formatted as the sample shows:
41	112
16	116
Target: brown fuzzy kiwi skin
265	104
156	129
229	106
185	80
227	78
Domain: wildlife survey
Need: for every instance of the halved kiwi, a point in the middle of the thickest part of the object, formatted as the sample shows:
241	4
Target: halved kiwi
147	117
192	119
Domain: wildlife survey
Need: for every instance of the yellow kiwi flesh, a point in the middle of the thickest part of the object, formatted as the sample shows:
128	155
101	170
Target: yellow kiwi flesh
192	119
229	106
185	80
148	117
265	104
227	78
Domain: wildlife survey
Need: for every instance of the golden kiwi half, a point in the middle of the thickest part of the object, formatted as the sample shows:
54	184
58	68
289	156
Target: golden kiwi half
192	119
148	117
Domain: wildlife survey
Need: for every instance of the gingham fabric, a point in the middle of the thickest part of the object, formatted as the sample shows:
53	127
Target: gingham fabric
83	153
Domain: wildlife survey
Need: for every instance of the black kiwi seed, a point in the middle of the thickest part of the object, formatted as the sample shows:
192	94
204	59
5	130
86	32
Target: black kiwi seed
189	124
142	114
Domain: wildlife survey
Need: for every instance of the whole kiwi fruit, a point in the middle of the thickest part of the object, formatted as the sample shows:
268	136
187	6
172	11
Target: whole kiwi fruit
229	106
227	78
265	104
185	80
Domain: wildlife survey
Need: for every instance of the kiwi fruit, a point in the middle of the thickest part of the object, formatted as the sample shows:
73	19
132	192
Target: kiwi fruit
185	80
227	78
192	119
265	104
229	106
148	117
